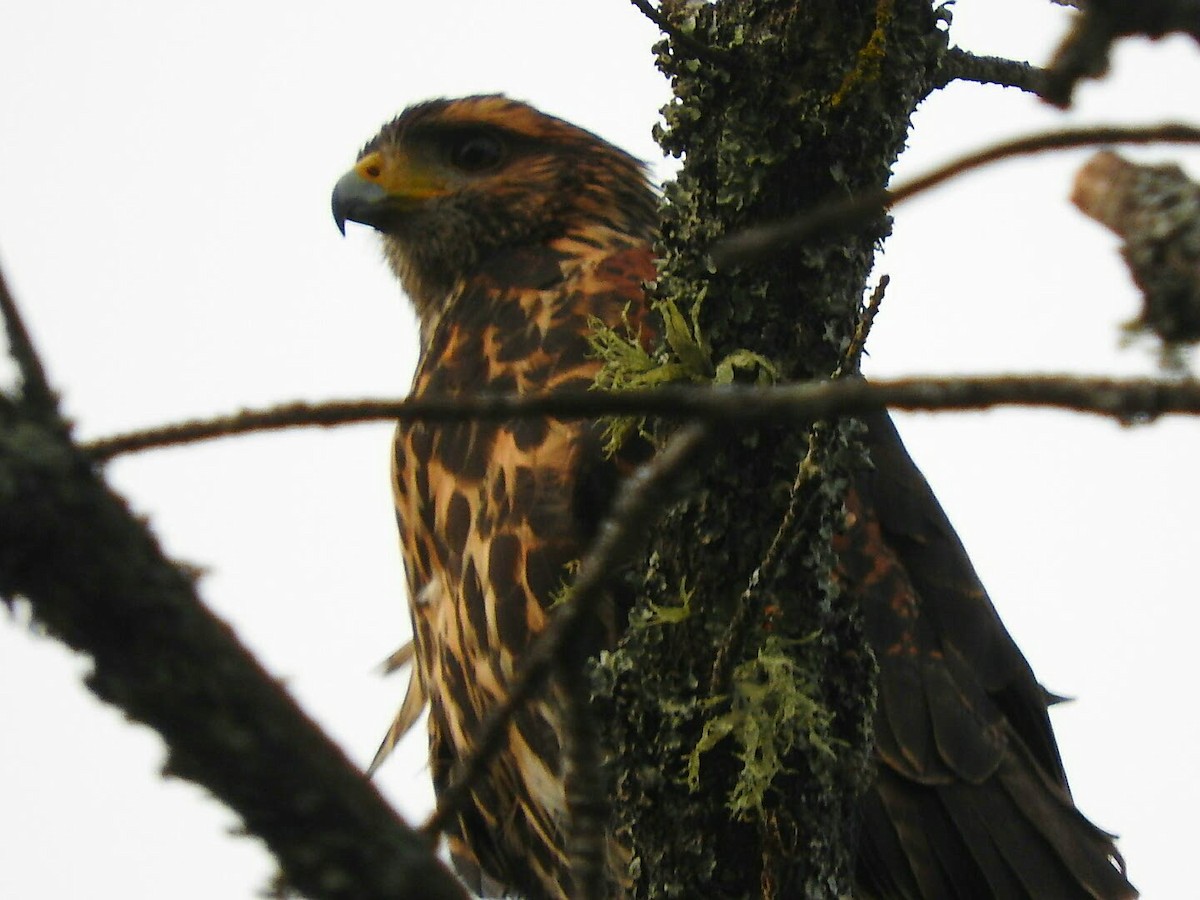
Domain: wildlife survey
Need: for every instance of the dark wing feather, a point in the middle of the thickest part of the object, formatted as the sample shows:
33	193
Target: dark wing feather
971	800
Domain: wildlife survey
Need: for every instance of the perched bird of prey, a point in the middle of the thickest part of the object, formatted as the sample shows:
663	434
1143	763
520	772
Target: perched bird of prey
513	232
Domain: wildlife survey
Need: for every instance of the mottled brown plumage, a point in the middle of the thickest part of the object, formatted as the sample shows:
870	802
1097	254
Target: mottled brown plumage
525	229
510	230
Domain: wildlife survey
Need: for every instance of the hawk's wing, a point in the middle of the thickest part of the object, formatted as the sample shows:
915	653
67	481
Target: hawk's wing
971	799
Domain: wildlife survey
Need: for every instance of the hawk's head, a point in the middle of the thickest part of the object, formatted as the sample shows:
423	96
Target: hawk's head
448	183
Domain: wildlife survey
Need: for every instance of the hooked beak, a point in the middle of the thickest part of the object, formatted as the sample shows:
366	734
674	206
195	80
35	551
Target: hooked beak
355	199
382	188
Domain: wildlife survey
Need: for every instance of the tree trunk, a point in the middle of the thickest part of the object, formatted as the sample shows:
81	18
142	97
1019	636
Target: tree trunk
798	103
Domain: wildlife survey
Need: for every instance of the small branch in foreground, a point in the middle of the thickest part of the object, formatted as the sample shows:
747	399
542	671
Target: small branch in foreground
851	361
962	65
757	243
1122	399
638	498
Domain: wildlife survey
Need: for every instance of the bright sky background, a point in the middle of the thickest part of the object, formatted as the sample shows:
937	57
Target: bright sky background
165	172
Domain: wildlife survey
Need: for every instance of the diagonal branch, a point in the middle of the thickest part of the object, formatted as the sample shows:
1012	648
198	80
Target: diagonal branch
95	578
638	499
759	242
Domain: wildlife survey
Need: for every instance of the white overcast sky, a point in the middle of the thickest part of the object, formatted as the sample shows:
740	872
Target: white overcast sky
164	221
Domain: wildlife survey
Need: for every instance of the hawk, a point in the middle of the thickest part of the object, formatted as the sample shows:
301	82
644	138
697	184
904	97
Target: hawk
513	233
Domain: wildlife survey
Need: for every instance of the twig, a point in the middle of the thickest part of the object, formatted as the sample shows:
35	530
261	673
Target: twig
961	65
249	421
638	498
851	361
1117	398
762	241
35	387
717	56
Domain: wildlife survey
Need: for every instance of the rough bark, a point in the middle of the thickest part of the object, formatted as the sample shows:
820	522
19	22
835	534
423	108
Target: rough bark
95	578
803	102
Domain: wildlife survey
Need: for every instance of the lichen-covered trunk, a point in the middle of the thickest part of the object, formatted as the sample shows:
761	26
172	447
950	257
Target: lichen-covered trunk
741	750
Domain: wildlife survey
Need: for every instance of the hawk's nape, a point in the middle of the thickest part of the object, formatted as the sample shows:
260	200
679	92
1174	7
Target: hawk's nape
514	233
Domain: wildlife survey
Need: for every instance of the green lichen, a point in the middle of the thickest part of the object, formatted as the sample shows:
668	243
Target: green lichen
566	585
671	613
757	367
684	339
869	61
772	712
684	355
626	365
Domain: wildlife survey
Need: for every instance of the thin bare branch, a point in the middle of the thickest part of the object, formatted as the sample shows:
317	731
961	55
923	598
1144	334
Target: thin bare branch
637	500
96	579
763	241
961	65
851	361
250	421
1117	398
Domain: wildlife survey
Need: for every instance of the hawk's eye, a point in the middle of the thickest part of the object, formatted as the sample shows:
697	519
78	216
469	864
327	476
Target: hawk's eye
476	152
